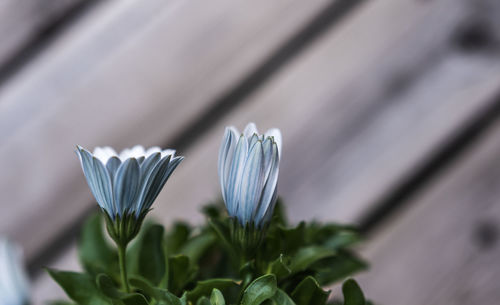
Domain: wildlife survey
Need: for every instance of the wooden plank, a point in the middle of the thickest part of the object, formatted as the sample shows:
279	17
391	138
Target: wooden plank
124	74
24	21
345	127
349	135
445	248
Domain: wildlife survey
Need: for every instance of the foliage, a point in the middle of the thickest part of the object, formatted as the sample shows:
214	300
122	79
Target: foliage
203	266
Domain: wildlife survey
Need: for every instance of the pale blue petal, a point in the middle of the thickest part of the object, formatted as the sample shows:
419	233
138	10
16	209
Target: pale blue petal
126	186
112	165
87	164
104	187
140	159
252	184
14	285
252	140
226	154
160	180
266	203
269	212
235	173
267	147
148	168
150	183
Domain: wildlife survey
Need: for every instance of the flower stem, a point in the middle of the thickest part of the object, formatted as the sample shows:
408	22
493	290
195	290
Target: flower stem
123	266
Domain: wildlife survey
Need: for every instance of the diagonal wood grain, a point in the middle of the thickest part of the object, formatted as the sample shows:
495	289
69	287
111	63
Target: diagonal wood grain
128	72
360	110
23	21
444	249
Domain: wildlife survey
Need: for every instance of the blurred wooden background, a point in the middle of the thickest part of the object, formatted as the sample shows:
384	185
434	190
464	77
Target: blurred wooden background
390	112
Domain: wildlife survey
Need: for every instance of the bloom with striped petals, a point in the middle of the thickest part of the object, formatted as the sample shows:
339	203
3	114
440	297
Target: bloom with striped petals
14	287
125	185
248	173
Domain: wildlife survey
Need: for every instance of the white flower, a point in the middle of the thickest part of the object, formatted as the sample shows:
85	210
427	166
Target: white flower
14	287
248	173
127	183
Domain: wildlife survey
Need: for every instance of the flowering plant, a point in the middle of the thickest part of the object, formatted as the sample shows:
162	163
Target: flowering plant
245	253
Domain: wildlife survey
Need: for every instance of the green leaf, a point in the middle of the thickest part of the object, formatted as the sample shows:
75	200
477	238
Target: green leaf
281	298
95	253
221	230
259	290
342	239
280	267
203	301
352	293
308	256
151	256
204	288
338	267
108	288
216	298
135	247
177	237
180	272
309	292
163	296
195	247
79	287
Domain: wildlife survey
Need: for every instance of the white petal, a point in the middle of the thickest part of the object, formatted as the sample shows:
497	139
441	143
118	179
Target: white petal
250	130
104	153
168	152
133	152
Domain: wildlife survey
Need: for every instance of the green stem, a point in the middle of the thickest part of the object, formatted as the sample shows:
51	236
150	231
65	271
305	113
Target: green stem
123	266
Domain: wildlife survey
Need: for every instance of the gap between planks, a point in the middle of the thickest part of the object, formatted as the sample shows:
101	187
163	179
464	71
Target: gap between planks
114	77
364	139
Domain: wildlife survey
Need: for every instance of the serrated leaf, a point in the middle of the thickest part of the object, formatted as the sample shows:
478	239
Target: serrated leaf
308	256
95	253
216	298
259	290
352	293
151	257
79	287
204	288
309	292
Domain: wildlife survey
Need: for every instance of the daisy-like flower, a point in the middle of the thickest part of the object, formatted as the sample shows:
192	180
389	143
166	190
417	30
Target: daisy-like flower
125	185
14	287
248	173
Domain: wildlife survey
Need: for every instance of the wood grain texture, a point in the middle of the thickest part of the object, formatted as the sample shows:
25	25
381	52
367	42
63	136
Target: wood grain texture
129	72
444	248
361	109
22	21
350	136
